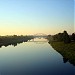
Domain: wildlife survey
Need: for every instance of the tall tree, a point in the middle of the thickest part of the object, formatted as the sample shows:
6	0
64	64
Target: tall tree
66	37
73	37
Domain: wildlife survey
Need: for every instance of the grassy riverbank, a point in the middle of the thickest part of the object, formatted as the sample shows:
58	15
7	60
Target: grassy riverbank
13	40
66	50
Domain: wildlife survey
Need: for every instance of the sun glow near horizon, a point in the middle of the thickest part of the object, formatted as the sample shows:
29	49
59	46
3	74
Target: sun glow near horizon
27	17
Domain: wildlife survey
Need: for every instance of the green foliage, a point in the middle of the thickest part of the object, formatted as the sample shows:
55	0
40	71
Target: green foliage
13	40
66	50
49	37
65	45
66	37
58	37
73	37
61	37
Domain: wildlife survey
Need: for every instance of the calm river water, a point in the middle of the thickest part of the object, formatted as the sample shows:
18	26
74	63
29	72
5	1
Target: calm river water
35	57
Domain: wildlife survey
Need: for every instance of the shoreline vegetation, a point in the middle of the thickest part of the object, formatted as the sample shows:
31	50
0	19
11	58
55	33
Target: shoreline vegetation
66	50
65	45
13	40
61	42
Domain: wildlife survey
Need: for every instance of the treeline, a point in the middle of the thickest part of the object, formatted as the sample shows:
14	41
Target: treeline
62	37
13	40
64	44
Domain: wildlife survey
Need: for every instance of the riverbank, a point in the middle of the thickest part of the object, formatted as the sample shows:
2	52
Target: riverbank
13	40
66	50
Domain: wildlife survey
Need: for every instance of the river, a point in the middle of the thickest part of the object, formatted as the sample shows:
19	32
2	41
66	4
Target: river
35	57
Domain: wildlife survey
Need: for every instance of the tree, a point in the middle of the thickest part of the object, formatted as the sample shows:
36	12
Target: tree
73	37
66	37
60	36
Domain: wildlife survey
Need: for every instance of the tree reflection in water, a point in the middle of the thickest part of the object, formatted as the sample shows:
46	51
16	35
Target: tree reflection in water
66	50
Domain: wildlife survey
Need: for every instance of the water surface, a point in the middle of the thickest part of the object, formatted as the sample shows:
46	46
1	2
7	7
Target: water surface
35	57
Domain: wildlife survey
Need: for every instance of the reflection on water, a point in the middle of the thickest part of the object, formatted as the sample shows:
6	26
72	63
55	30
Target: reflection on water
63	49
30	58
38	40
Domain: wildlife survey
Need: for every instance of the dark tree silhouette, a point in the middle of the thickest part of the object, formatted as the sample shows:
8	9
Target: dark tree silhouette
73	37
60	36
66	37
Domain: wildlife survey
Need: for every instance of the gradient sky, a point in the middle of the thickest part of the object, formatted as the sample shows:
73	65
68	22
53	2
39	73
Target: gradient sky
36	16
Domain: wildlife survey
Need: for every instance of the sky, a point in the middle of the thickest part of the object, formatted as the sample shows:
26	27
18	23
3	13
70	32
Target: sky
27	17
